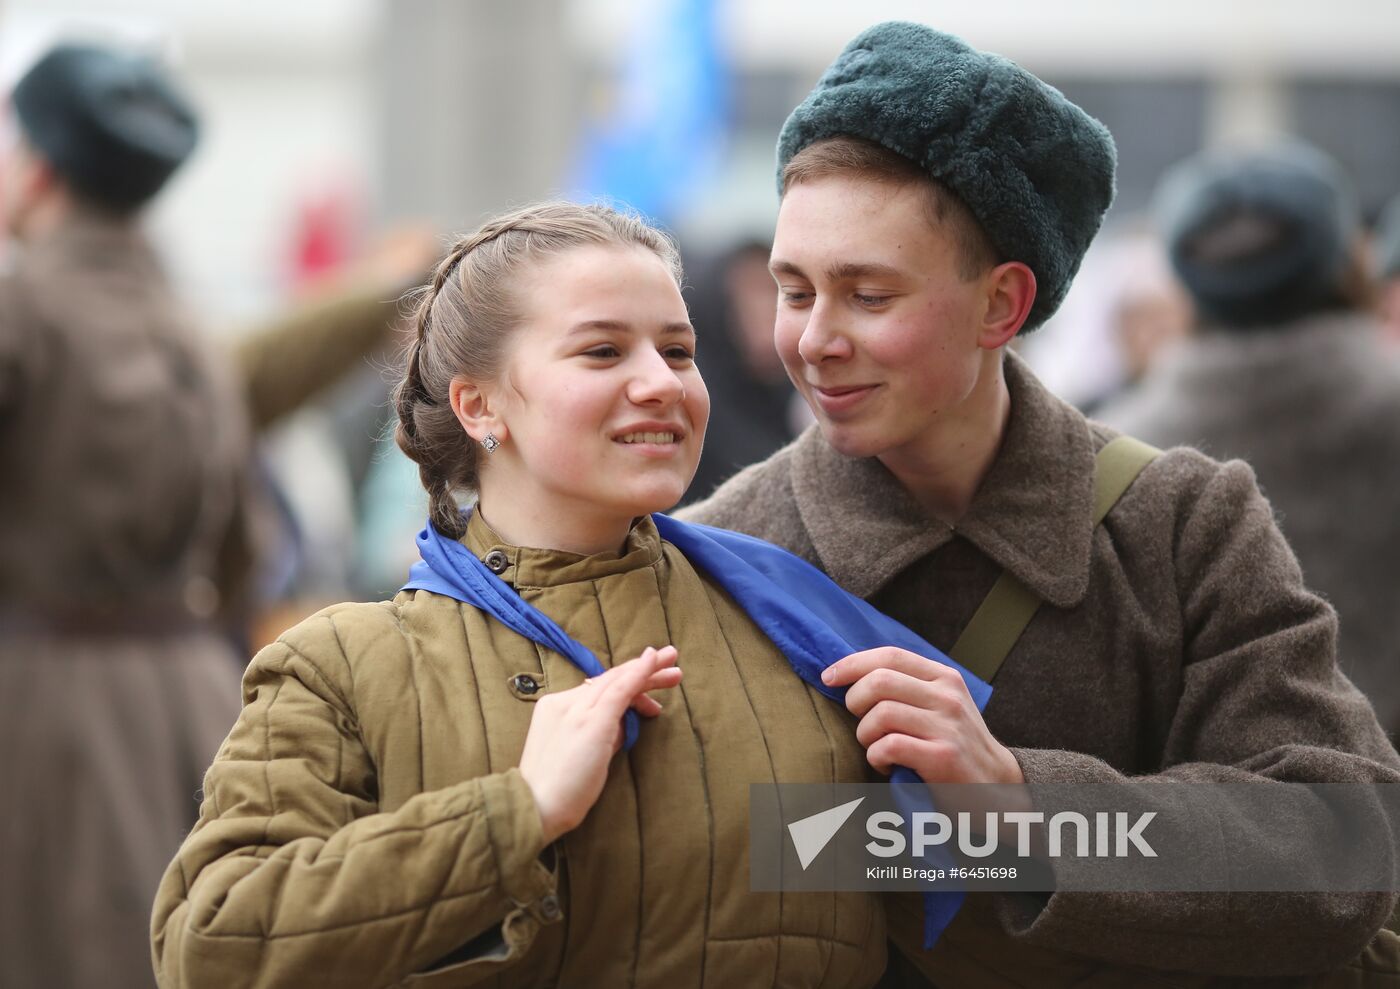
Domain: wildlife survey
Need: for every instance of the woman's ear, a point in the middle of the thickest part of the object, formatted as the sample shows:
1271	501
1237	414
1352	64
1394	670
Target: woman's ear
1010	295
473	407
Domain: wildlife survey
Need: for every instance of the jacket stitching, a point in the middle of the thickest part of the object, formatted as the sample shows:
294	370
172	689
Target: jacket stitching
705	787
344	655
411	668
476	687
350	676
417	908
831	772
715	605
791	937
267	782
632	772
321	678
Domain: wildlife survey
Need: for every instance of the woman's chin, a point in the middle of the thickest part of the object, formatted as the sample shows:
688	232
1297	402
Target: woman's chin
657	498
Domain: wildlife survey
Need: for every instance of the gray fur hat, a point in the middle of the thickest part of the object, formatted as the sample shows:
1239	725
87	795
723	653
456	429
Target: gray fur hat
1036	170
1262	236
112	124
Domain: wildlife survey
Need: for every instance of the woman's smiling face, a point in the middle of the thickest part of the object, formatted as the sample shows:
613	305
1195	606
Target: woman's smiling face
603	408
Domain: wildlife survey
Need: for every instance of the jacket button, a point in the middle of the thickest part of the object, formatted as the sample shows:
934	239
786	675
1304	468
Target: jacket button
525	684
496	562
549	908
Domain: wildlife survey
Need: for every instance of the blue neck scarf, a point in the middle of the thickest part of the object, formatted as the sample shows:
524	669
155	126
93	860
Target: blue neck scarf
811	620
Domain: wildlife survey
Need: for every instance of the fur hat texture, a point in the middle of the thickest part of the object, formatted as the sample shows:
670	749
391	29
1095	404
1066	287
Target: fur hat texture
1035	170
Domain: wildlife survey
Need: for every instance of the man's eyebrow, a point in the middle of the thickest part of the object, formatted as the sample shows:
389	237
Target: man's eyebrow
841	270
845	270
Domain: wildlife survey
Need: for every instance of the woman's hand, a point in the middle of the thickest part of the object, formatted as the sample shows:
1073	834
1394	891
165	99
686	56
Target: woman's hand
575	733
915	712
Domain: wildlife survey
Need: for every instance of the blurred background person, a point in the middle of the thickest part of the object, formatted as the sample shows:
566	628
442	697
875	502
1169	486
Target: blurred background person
1123	313
1148	313
125	525
1287	371
755	410
329	119
1385	270
132	517
312	379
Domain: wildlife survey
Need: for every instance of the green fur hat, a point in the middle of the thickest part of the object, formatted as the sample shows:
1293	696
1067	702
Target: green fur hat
113	124
1036	170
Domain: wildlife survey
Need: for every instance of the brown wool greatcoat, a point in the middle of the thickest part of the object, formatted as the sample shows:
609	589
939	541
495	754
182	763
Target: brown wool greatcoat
365	825
1176	640
122	447
126	516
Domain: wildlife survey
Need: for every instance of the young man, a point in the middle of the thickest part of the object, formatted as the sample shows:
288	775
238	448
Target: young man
936	201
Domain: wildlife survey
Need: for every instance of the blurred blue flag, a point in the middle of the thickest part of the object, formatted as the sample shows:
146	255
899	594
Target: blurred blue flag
665	134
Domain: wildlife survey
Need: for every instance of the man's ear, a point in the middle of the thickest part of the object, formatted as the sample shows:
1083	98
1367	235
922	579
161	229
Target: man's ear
1010	295
473	406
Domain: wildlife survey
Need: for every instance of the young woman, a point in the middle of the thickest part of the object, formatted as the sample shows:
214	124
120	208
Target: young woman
417	794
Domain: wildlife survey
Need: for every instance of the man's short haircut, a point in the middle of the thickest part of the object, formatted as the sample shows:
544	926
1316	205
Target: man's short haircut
844	155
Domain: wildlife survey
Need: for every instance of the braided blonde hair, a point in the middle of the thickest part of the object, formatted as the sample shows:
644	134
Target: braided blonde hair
463	317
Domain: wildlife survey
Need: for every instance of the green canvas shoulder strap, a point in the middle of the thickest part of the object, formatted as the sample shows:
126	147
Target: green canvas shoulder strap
1009	606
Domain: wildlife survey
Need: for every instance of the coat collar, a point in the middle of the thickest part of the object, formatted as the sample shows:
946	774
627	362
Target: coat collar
523	566
1032	515
1321	355
91	238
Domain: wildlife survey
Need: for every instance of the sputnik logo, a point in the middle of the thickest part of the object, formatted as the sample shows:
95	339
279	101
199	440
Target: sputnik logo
811	834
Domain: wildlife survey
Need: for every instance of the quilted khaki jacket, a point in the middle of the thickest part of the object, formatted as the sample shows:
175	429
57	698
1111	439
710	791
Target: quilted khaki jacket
1176	641
365	825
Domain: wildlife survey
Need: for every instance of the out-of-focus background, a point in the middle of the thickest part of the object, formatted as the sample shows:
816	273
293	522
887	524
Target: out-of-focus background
326	121
344	140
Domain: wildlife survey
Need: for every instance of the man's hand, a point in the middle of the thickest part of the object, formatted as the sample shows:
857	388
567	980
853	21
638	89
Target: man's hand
915	712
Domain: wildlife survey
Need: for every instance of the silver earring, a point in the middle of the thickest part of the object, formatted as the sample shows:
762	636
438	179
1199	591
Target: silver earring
490	442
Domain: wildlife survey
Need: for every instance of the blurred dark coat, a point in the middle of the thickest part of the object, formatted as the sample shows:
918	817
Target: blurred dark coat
123	531
1176	640
1315	409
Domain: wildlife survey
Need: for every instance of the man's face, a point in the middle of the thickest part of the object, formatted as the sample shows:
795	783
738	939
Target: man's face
21	176
1389	299
9	147
876	326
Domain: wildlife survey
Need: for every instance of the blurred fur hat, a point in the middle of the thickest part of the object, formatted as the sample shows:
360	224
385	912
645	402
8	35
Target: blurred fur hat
113	124
1259	237
1035	170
